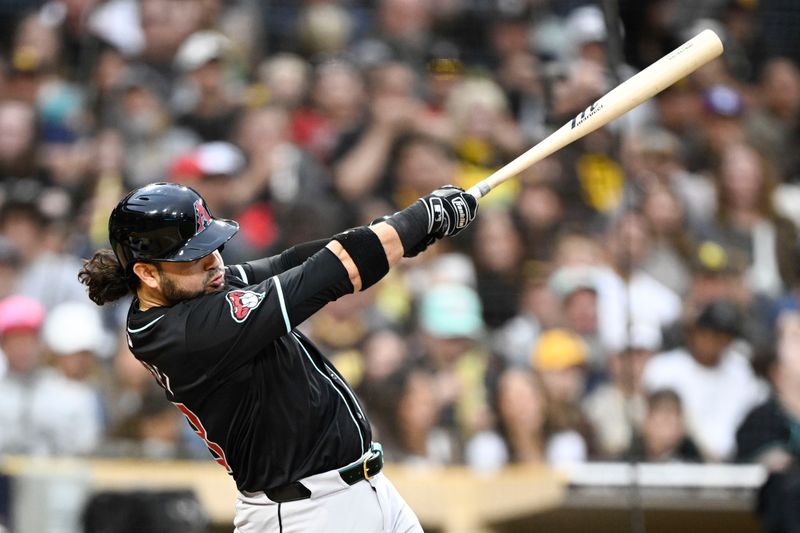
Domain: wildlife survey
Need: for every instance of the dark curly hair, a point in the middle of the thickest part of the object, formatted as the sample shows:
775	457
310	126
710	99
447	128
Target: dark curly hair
105	279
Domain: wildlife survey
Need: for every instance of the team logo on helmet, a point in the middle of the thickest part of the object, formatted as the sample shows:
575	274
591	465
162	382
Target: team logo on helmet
242	302
202	217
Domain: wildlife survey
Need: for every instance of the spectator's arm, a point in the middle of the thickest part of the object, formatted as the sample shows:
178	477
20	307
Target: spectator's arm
358	172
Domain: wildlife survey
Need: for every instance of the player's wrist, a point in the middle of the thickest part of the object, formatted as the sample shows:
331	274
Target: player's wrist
412	224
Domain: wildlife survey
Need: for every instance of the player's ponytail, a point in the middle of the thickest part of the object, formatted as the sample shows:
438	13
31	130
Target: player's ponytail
105	278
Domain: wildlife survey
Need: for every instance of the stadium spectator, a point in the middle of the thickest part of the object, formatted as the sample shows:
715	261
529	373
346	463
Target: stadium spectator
451	324
540	209
206	103
418	162
412	430
616	409
655	160
43	412
286	79
767	435
539	310
663	437
210	169
17	139
74	339
746	219
48	266
336	106
498	255
712	377
151	139
576	289
392	111
672	243
560	358
524	434
773	126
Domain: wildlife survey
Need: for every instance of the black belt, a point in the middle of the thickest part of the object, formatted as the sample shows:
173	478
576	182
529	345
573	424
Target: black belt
351	475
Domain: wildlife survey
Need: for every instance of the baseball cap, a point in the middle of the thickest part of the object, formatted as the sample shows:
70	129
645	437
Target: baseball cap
711	257
444	61
140	76
74	327
200	48
209	159
586	25
451	311
20	313
722	316
723	101
567	280
558	349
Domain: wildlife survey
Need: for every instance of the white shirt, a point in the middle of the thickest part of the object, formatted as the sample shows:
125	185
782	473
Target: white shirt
48	414
715	400
642	299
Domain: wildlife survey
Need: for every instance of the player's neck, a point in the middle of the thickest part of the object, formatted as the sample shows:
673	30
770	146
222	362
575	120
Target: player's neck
148	298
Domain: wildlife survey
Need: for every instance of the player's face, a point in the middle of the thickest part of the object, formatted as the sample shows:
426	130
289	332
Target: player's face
182	281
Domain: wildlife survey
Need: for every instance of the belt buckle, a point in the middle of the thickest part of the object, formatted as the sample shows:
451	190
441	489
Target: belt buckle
365	469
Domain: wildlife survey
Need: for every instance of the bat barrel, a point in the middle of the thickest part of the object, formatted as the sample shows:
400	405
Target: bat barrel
676	65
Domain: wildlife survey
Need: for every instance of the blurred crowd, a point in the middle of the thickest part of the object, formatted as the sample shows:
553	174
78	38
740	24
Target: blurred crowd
633	297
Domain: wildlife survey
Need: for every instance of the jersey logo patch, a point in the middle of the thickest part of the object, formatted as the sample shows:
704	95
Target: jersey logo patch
242	302
202	217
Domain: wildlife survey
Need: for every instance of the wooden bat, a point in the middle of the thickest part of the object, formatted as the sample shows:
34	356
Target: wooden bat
679	63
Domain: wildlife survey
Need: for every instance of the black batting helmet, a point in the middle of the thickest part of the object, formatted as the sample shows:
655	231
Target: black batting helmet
165	222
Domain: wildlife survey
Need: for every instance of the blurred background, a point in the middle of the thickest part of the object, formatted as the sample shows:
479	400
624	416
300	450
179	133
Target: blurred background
614	345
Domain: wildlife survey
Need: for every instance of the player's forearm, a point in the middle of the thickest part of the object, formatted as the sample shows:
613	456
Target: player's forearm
348	263
367	253
390	241
296	255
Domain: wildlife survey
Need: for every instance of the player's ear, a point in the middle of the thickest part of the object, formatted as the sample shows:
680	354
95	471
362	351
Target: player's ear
147	274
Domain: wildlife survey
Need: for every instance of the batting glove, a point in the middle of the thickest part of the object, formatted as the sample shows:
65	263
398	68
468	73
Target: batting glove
444	212
450	210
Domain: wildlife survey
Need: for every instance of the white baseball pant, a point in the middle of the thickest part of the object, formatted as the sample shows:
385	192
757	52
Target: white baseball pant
372	506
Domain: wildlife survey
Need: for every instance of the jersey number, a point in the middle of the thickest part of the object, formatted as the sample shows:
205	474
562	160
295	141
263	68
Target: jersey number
161	378
197	427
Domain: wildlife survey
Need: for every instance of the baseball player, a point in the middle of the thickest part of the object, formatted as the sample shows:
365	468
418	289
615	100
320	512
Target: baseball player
221	341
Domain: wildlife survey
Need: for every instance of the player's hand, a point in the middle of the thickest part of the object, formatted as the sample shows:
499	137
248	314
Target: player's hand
450	210
444	212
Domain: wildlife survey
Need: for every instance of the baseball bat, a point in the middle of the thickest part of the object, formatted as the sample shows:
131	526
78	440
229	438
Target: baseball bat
674	66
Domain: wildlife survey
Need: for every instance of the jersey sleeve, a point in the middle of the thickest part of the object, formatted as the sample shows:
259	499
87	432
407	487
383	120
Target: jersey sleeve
257	271
240	322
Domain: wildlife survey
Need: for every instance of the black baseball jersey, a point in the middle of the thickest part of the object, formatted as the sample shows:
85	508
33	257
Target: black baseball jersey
270	407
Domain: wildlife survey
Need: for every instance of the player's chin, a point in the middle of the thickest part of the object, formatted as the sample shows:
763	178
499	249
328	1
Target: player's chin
213	287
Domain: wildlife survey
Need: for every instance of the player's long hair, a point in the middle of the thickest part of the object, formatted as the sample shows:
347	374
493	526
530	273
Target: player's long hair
105	278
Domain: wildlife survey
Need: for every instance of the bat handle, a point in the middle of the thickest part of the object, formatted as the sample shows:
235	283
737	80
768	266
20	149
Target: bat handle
480	189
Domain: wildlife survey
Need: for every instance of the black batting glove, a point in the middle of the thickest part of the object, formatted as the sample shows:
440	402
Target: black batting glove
444	212
450	210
